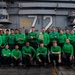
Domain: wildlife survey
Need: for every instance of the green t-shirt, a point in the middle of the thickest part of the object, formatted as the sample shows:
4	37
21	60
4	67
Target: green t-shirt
0	40
68	48
11	39
72	38
6	52
22	38
55	49
54	36
42	51
16	53
28	50
33	34
62	38
46	38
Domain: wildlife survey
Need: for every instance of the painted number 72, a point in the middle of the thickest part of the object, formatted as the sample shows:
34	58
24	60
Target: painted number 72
44	18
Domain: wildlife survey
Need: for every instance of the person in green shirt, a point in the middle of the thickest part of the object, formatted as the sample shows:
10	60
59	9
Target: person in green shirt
3	38
41	54
33	38
6	36
68	53
45	39
71	37
11	40
55	54
0	40
16	56
67	33
48	32
6	56
20	39
62	38
16	31
1	47
54	35
28	54
16	34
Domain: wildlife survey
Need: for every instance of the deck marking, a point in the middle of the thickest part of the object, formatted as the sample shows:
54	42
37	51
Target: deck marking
53	71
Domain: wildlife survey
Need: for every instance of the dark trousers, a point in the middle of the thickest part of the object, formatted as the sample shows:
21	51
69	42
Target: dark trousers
6	60
66	58
11	46
61	45
34	45
54	57
49	45
20	46
0	54
16	62
26	60
43	58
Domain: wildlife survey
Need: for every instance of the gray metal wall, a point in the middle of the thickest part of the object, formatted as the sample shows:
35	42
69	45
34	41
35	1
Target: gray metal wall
58	10
58	21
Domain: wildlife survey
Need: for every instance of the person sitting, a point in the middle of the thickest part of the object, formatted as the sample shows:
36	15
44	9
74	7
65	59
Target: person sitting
55	54
28	54
41	55
68	53
6	56
16	56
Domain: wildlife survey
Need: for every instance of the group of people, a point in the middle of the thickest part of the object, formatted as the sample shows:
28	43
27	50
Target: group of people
43	48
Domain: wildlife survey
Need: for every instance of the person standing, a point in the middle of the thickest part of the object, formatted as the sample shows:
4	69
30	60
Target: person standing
62	39
45	38
20	39
33	38
11	40
54	35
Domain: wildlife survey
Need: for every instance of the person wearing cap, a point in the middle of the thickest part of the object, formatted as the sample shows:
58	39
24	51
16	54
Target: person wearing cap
68	53
16	56
41	54
33	38
28	54
6	56
55	54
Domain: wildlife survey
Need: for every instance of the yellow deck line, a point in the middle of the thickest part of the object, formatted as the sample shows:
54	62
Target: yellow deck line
53	71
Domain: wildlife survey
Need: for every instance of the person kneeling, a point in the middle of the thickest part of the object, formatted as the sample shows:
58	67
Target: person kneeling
6	56
68	53
16	56
55	54
28	54
41	55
